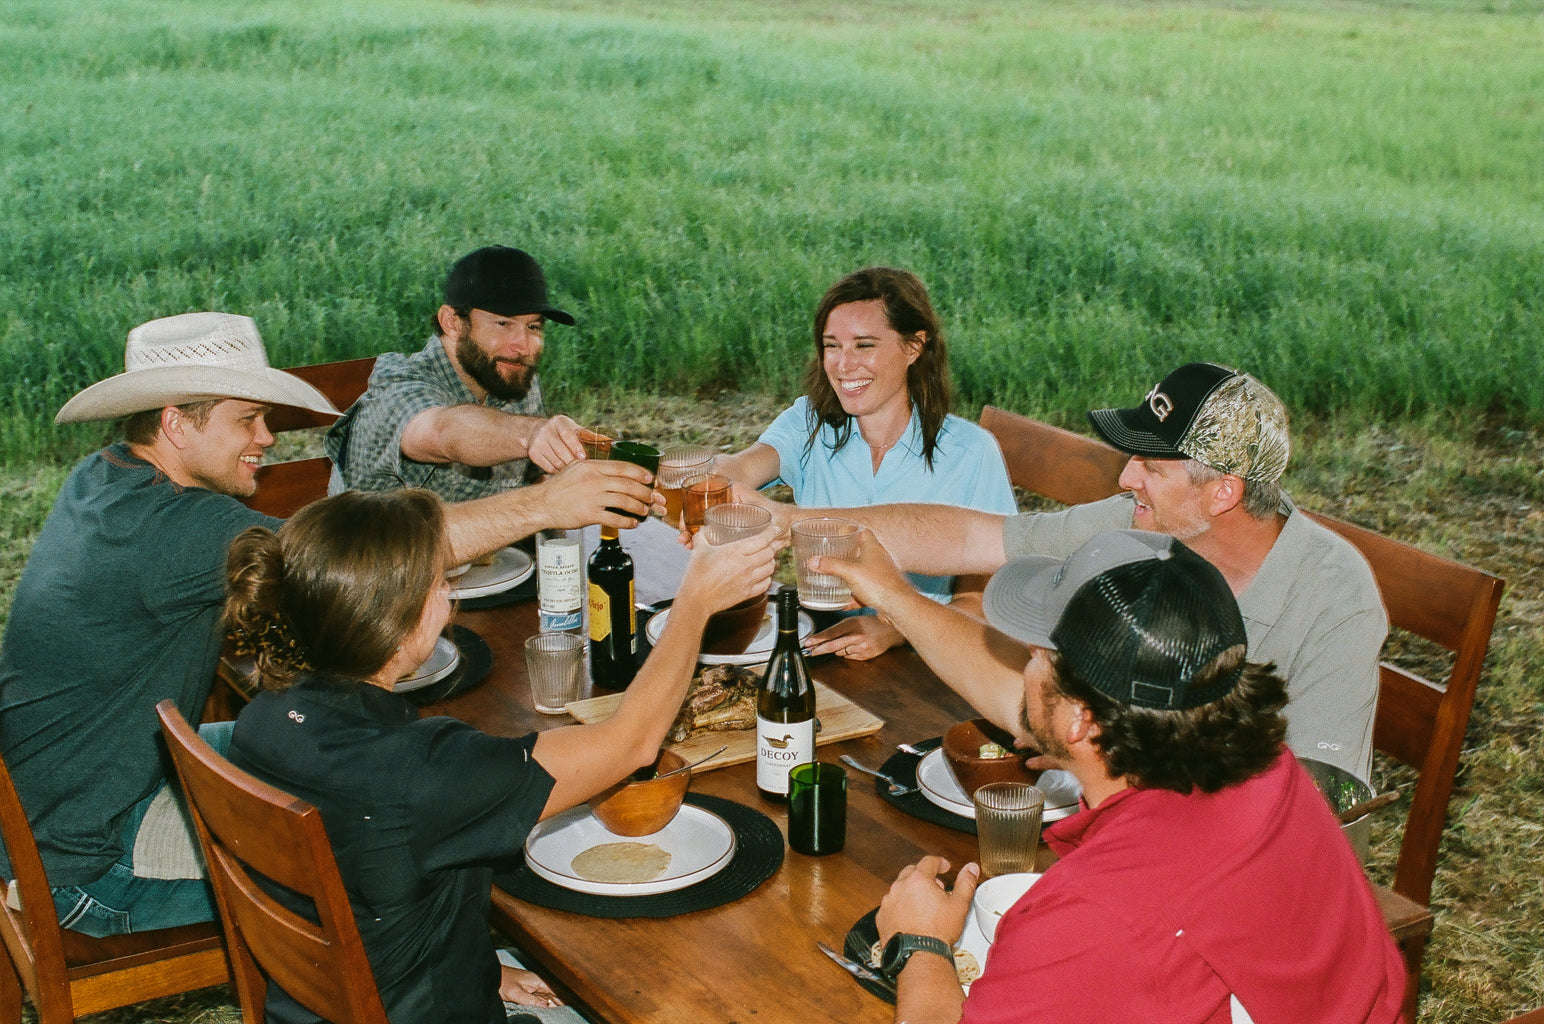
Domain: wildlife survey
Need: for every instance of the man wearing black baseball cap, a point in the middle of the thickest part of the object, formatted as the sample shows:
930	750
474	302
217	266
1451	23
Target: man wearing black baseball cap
464	417
1179	894
1208	446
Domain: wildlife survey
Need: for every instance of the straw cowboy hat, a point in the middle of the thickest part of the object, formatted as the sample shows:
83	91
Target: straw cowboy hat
193	357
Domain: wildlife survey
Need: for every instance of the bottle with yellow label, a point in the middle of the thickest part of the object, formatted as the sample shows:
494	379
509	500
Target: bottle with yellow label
613	620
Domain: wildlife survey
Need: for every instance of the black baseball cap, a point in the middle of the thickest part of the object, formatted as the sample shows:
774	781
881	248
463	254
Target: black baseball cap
1137	615
1202	411
501	280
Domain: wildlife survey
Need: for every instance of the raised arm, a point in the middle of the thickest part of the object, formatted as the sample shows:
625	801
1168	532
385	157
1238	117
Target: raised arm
475	435
585	759
578	496
754	467
974	660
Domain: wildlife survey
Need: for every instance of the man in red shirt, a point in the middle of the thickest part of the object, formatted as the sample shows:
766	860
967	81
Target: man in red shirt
1205	881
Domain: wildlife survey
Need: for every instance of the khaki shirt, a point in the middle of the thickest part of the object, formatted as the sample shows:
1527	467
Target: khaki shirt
1313	609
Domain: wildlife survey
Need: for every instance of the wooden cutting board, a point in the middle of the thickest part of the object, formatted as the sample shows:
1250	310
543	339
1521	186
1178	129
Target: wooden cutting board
840	719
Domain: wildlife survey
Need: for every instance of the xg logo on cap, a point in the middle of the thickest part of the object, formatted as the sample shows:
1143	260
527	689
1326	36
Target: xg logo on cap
1160	403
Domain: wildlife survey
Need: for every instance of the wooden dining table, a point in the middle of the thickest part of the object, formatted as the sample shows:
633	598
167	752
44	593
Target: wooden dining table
754	960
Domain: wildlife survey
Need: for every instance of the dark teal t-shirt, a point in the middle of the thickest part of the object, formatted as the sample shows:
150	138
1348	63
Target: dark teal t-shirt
118	607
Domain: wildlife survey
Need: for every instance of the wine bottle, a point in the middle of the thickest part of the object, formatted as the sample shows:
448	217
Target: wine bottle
613	621
785	707
559	582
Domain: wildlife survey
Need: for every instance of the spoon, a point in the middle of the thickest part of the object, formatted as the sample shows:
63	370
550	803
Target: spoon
907	748
896	789
689	767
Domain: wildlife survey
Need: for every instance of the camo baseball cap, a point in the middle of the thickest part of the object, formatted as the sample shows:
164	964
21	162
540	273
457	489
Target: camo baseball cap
1220	417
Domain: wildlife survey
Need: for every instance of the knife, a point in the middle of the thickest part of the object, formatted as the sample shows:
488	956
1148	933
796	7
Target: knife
856	969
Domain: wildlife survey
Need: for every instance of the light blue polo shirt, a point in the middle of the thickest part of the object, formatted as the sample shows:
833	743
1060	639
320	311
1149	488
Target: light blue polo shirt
967	471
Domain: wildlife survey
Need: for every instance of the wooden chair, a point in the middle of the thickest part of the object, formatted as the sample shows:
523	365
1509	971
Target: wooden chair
1531	1017
1068	468
283	488
251	830
67	974
1418	722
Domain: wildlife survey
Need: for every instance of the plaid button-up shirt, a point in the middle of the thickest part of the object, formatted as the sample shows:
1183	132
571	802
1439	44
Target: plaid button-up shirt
365	444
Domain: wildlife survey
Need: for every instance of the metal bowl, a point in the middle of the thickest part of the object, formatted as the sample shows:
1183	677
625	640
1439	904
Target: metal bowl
1343	789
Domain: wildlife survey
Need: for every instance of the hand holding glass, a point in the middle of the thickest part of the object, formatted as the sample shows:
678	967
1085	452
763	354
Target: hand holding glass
639	454
812	537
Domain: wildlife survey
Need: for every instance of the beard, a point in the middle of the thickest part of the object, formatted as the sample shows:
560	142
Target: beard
1043	733
486	370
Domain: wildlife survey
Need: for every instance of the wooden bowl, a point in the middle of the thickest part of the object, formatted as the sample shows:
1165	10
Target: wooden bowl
634	808
732	630
962	753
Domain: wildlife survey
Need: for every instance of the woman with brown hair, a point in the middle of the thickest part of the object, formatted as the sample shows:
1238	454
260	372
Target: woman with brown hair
348	597
874	428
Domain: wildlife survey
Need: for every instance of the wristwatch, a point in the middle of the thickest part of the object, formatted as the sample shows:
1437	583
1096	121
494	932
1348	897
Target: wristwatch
903	944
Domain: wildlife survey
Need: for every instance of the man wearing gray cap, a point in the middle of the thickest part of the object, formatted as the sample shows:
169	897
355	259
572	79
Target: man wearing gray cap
1205	881
120	606
1208	446
464	417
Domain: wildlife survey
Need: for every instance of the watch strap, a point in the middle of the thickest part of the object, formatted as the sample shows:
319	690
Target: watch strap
903	944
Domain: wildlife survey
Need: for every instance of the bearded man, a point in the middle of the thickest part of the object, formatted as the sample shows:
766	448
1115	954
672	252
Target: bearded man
464	417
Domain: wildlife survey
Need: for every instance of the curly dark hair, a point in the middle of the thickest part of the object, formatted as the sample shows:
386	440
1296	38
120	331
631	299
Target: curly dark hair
908	311
1209	748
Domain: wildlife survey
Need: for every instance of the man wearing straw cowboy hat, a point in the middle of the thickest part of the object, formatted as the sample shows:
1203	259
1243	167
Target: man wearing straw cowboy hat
1206	880
120	606
464	416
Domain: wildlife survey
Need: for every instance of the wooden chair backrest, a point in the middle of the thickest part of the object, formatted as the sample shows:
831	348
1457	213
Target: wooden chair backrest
1421	722
251	830
66	973
283	488
1058	464
1418	722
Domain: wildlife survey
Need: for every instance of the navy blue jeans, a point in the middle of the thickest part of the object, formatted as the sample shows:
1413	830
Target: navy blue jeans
121	902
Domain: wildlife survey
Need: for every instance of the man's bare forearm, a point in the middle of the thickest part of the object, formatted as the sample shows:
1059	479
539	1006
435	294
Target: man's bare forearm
471	435
938	540
973	659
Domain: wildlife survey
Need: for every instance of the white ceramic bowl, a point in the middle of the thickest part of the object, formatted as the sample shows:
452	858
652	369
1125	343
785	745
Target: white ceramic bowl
993	899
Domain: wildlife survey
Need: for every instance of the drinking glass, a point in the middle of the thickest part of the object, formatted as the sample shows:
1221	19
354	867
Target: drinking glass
817	808
700	494
734	521
597	442
1008	826
678	463
811	537
639	454
554	664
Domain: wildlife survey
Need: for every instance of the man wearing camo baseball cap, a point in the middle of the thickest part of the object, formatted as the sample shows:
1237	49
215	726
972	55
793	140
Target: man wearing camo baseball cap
1207	446
1177	894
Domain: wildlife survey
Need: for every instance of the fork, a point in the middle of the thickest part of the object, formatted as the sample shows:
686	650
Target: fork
896	789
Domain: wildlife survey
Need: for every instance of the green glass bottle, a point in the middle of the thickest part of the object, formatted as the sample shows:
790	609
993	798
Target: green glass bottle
613	619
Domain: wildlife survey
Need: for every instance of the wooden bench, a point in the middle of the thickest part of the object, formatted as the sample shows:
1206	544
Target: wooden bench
283	488
1419	722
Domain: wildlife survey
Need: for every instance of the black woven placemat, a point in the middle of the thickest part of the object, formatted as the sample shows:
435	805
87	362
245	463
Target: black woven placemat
757	856
902	767
476	660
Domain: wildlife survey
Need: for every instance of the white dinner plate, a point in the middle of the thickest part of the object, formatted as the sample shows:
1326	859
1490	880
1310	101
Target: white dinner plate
511	567
756	652
700	844
938	784
441	663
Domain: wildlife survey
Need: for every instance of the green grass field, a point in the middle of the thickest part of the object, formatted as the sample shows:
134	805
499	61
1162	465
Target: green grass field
1345	198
